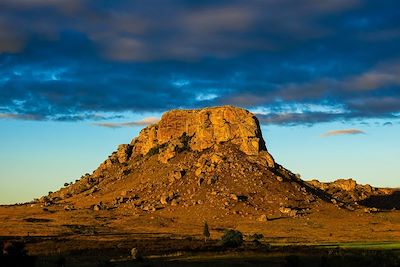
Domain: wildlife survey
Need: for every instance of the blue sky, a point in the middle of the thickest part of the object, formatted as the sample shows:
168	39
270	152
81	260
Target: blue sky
79	77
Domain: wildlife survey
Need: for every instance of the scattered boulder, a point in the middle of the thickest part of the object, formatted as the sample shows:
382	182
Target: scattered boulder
288	211
99	206
176	175
212	179
216	158
164	200
198	172
69	207
200	180
266	159
371	210
135	254
262	218
234	197
166	154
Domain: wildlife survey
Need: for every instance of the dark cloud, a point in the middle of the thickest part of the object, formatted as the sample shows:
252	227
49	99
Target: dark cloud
303	62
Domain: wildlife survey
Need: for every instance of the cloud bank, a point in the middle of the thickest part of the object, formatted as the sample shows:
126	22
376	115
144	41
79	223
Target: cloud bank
304	61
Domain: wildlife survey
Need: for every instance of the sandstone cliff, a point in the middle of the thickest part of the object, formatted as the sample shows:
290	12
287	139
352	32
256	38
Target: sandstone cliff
206	127
198	130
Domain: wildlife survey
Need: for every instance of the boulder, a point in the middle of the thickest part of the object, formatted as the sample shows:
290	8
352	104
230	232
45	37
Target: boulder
288	211
262	218
164	200
234	197
135	254
124	152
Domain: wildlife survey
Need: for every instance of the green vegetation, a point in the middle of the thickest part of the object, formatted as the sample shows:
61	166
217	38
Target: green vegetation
206	232
364	245
255	238
185	140
155	150
231	238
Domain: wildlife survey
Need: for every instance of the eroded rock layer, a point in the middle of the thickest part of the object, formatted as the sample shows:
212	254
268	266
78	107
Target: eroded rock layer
205	128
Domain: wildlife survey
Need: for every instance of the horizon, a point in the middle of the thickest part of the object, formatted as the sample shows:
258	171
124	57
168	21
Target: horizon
78	78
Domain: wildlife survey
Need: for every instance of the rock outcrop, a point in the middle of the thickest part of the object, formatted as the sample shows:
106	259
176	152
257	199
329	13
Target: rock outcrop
341	184
348	191
201	129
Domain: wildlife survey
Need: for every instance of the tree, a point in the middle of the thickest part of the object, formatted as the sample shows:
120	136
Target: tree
231	238
206	232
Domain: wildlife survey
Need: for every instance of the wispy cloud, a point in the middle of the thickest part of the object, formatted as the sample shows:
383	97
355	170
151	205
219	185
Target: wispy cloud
16	116
143	122
343	132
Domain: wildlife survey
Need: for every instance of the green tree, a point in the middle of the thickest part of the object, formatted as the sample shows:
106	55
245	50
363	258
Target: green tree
206	232
231	238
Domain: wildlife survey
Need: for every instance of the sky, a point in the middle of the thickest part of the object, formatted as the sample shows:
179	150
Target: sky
77	78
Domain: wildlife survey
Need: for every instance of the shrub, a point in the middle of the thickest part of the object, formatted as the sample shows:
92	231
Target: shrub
15	249
231	238
155	150
257	236
185	139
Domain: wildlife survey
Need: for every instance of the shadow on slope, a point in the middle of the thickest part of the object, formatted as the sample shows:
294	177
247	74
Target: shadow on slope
384	202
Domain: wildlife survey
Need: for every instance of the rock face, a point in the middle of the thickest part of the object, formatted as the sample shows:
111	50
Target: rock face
202	129
341	184
348	191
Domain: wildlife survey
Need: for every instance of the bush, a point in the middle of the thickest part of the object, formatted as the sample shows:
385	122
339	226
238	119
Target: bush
255	238
155	150
185	139
15	249
231	238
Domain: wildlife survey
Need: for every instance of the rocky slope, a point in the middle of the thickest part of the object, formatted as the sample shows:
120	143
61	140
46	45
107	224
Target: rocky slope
211	162
349	192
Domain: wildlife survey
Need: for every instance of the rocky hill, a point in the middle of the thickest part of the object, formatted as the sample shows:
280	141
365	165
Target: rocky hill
349	192
212	162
